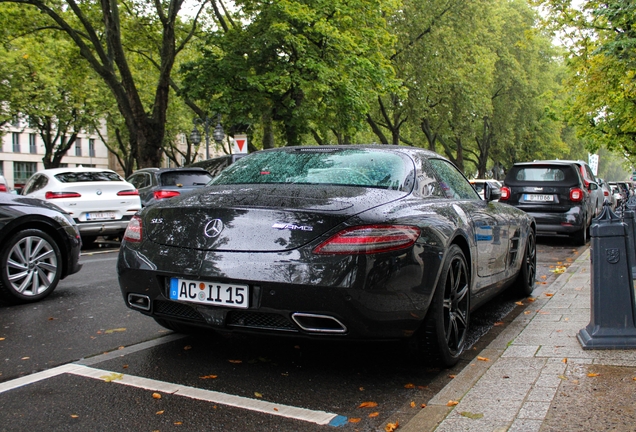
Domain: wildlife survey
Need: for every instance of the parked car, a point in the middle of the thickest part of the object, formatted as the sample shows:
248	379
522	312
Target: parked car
3	184
607	193
215	165
618	196
99	200
155	184
555	194
480	184
39	246
358	242
591	184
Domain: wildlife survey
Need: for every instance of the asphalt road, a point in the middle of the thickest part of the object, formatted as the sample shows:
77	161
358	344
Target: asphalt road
80	360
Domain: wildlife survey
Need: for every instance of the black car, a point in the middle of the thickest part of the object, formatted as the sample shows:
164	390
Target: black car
555	194
39	246
215	165
155	184
359	242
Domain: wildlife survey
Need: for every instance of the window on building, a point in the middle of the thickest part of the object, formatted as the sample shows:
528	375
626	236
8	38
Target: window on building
78	147
22	171
16	142
91	147
1	168
32	146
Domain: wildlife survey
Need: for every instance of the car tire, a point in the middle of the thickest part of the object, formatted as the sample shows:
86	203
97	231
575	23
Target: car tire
31	266
580	237
443	335
527	275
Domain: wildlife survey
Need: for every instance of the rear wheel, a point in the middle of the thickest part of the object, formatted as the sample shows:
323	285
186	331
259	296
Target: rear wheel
31	266
580	237
443	335
528	273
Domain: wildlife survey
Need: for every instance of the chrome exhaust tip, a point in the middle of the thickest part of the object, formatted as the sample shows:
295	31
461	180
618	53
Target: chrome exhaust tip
318	323
139	301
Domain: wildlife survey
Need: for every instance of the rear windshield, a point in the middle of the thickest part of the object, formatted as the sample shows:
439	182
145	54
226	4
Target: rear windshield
90	176
540	174
185	179
350	167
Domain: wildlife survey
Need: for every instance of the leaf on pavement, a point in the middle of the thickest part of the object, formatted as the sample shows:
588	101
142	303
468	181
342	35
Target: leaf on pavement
374	414
409	385
209	377
549	294
236	361
160	412
565	360
74	416
484	359
258	395
452	403
112	377
592	375
390	427
187	348
355	420
498	323
412	404
156	395
111	331
368	405
474	416
519	303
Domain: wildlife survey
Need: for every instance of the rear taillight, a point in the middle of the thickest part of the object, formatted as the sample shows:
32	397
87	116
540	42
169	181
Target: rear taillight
56	195
505	193
606	193
133	231
576	194
3	188
162	194
368	239
130	192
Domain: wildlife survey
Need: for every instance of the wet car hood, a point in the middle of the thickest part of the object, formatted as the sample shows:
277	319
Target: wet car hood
257	218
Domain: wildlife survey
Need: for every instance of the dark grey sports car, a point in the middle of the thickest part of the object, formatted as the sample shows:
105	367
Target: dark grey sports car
361	242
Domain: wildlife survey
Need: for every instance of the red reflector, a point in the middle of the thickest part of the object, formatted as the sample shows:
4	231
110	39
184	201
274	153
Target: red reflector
162	194
55	195
133	231
576	195
369	239
505	193
132	192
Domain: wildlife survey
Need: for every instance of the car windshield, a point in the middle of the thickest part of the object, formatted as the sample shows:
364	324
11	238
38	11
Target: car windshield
88	176
350	167
540	174
185	179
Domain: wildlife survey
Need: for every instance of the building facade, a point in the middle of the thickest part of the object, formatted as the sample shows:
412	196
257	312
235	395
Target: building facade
22	149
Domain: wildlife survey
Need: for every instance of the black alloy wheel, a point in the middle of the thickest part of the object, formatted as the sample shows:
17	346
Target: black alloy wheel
528	272
446	324
31	267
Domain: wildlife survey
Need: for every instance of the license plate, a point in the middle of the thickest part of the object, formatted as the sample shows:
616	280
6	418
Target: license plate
540	198
210	293
100	215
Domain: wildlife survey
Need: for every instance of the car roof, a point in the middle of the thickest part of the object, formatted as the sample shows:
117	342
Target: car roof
54	171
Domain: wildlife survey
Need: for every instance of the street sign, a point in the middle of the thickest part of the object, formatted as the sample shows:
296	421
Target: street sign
239	145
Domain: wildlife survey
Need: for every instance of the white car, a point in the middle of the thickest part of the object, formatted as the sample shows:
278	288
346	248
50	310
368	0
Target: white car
100	201
479	185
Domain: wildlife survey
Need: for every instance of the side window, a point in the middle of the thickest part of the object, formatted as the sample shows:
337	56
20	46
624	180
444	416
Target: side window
453	183
35	184
427	184
138	180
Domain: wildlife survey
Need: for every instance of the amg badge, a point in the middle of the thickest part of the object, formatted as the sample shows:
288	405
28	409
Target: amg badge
293	227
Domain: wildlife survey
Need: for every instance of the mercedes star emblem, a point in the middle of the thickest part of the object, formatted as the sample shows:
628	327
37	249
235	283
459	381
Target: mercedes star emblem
213	228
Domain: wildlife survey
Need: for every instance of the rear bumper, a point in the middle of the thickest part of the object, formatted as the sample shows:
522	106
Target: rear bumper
562	223
107	227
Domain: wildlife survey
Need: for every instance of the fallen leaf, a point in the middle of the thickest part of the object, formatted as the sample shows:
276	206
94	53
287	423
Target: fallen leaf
25	358
563	377
160	412
451	403
559	263
275	409
565	360
125	367
187	347
412	404
484	359
390	427
112	377
409	386
544	277
52	319
209	377
236	361
452	376
361	389
74	416
423	406
368	405
178	423
374	414
355	420
258	395
1	339
549	294
498	323
519	303
474	416
527	312
111	331
592	375
531	299
156	395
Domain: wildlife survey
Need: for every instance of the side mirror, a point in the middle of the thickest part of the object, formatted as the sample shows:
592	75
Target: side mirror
491	193
593	186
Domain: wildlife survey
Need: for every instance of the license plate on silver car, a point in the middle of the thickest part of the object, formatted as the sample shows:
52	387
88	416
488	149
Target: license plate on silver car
210	293
100	216
539	198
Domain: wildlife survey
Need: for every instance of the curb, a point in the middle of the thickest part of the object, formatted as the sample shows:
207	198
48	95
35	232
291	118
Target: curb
429	418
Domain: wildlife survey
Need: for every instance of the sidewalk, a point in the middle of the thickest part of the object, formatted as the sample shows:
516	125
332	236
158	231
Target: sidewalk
536	377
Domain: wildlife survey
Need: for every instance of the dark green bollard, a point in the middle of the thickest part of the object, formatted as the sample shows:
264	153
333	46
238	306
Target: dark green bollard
613	320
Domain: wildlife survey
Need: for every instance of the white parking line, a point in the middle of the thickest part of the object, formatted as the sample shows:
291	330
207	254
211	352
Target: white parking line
287	411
